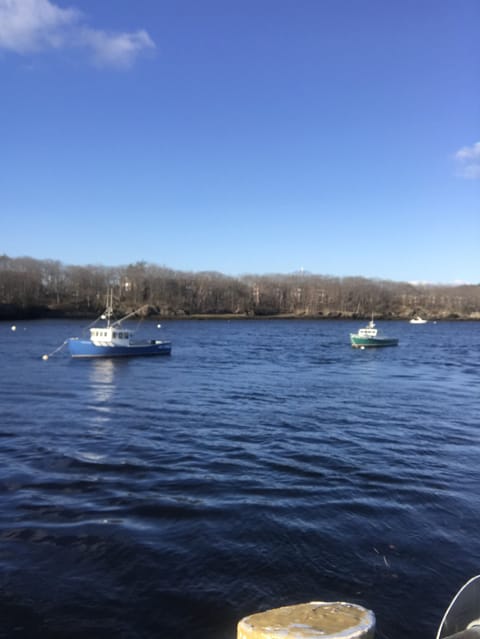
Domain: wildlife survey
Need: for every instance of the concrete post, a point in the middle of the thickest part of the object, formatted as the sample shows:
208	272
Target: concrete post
315	620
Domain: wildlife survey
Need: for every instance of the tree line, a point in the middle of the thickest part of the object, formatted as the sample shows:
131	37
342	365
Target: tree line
39	288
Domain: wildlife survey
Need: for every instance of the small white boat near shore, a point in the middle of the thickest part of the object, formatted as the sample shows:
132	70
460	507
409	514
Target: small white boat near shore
418	320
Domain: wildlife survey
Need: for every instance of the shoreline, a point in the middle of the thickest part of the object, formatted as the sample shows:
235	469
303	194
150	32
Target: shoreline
46	314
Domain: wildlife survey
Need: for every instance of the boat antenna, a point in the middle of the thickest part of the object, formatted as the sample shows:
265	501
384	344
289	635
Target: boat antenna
108	312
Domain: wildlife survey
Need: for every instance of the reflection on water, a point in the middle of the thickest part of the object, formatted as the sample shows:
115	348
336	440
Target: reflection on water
102	378
265	463
102	371
102	385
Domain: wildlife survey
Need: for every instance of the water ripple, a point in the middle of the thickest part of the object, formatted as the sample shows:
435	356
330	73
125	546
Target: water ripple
263	464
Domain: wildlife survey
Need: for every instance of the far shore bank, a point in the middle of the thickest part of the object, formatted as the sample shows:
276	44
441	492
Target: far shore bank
43	313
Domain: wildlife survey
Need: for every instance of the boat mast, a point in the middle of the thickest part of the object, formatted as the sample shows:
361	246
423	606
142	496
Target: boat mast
108	313
109	309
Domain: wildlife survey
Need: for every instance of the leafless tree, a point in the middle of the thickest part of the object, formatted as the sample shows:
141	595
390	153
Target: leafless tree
27	283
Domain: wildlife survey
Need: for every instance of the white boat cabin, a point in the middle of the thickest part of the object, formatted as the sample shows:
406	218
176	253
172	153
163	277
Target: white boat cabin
369	331
110	336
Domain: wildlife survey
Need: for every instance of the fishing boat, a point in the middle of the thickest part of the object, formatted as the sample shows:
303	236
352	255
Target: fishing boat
368	337
112	339
417	320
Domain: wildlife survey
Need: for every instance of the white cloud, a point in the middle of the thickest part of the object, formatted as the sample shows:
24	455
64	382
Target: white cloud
117	49
468	161
37	25
30	25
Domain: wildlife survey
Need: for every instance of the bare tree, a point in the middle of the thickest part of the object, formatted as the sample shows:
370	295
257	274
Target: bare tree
26	283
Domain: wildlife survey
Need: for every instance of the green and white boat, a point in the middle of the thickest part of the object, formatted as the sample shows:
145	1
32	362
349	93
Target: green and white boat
368	337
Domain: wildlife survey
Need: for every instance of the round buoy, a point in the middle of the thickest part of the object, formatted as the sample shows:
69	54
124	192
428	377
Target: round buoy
14	328
315	620
362	348
45	357
159	326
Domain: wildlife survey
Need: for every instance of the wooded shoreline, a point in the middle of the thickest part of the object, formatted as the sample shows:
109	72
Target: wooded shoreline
10	313
39	289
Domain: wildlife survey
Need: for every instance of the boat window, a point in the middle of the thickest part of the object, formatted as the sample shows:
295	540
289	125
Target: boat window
114	334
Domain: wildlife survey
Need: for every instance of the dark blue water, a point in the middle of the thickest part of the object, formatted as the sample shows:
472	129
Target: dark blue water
264	463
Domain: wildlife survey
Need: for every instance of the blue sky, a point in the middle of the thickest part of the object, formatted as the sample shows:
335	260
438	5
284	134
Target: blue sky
243	136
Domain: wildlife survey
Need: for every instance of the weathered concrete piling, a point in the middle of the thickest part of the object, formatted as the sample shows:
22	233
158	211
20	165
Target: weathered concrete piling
314	620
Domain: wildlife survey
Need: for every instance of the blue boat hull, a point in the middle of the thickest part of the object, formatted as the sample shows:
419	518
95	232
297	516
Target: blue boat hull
85	348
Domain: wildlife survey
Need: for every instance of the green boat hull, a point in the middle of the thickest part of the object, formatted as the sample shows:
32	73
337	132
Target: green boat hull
369	342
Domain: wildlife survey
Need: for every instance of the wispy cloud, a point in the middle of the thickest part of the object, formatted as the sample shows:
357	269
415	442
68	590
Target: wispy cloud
28	26
117	49
468	161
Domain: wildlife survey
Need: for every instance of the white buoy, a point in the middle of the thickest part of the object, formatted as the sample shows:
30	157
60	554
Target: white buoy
362	348
14	328
44	357
159	326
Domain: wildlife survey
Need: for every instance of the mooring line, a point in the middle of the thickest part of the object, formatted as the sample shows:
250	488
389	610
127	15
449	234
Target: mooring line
59	348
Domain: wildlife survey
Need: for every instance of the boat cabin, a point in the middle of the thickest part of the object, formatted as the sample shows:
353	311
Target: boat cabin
369	331
109	335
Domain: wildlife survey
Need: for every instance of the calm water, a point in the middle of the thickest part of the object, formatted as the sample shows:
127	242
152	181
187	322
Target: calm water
264	463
